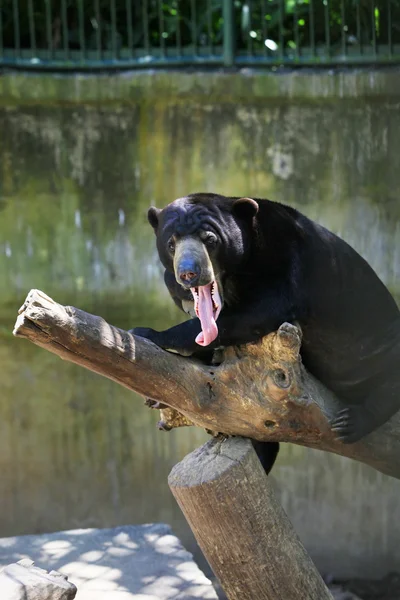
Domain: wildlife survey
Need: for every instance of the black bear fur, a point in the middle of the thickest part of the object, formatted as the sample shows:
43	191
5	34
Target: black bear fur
274	265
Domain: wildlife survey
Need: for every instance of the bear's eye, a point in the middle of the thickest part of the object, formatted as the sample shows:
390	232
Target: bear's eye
171	245
210	239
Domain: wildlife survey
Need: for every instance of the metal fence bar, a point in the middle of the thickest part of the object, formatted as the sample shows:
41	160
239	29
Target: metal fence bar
311	27
281	29
161	27
17	37
128	7
49	36
194	25
81	25
389	31
264	28
97	16
178	40
228	33
209	26
31	19
327	29
296	30
64	27
249	29
145	18
74	64
113	12
1	29
343	25
358	20
372	4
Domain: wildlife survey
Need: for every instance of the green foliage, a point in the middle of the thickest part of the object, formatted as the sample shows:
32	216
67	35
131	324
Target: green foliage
142	25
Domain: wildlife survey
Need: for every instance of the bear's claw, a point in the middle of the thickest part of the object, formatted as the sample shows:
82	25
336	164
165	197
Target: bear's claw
347	425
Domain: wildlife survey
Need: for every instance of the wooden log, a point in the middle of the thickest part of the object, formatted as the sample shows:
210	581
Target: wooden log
242	530
259	391
24	581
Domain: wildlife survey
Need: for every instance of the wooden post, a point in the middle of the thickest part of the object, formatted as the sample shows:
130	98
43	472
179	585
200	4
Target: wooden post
243	531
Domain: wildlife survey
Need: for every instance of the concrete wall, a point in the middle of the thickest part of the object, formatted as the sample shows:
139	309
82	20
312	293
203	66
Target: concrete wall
81	159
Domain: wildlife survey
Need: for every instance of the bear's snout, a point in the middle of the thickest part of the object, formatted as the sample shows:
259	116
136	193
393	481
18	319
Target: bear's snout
192	264
188	272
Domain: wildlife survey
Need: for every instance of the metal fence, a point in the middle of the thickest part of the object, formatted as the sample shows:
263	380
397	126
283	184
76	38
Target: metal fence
89	34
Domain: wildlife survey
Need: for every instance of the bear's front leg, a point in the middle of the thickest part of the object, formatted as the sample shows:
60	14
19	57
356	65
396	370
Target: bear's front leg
179	339
235	327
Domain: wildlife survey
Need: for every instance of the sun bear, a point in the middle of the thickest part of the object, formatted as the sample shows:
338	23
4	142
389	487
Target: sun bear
240	267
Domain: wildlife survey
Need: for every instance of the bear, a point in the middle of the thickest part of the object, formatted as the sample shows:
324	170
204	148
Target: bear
240	267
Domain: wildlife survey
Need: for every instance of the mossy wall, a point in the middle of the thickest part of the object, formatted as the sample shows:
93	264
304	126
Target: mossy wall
81	160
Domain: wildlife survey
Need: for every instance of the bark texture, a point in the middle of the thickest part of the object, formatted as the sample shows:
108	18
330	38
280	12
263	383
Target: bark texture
243	531
261	390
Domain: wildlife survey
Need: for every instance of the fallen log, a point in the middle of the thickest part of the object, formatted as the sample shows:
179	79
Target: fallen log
260	390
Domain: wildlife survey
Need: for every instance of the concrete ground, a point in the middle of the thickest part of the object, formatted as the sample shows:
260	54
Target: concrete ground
141	562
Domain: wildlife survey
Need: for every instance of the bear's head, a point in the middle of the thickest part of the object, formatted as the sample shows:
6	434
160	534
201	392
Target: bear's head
204	239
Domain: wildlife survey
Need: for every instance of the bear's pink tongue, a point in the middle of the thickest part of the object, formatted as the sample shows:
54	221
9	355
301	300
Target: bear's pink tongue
205	312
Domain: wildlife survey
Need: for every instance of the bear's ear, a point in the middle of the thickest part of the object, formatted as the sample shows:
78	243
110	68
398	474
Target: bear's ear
246	208
152	216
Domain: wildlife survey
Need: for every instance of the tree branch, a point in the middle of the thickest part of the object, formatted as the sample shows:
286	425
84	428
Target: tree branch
260	390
